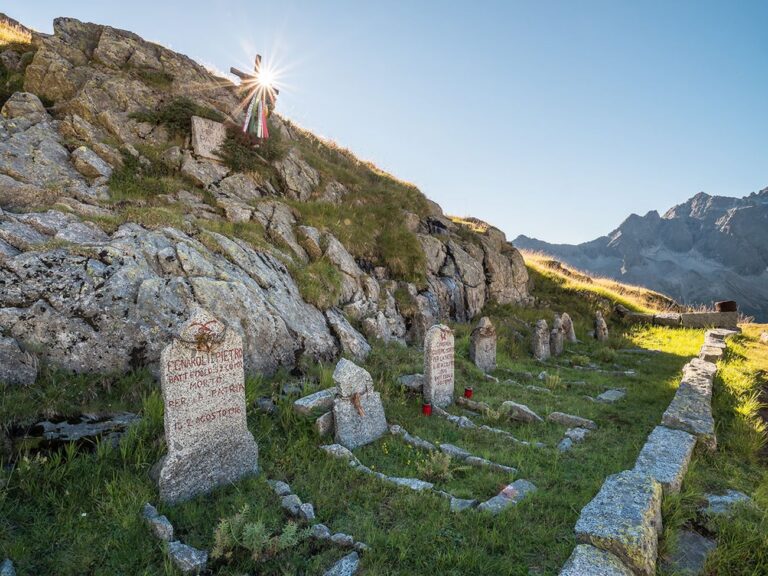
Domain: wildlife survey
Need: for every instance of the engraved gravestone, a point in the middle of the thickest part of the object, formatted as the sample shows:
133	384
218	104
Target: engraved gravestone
438	366
202	379
207	137
482	345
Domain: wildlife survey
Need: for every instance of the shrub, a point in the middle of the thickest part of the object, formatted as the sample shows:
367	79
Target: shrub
155	78
246	532
319	283
244	153
176	116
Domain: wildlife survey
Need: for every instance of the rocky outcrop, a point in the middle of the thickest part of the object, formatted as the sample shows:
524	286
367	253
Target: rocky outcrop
707	249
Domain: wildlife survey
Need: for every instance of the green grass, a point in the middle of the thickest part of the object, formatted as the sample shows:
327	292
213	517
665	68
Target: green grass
176	116
319	283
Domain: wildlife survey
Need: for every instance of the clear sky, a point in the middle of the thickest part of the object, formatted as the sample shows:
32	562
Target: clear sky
550	119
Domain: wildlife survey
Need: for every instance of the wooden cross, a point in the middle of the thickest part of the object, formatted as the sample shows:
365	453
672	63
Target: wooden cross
272	92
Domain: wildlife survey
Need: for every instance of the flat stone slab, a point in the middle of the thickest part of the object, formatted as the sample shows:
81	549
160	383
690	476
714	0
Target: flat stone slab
414	382
412	483
625	519
698	367
613	395
667	319
691	410
409	439
690	554
510	495
710	353
727	320
724	504
320	401
665	456
571	421
520	412
587	560
347	566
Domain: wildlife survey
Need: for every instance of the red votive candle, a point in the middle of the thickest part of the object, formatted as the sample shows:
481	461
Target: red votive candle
426	409
468	392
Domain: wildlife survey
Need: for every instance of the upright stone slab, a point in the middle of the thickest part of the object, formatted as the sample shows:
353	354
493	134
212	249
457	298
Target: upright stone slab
556	337
601	328
358	413
438	366
482	345
207	137
540	341
209	444
568	329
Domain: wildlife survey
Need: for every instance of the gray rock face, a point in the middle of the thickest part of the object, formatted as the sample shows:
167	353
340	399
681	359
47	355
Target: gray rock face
16	366
590	561
187	559
665	456
150	279
89	164
707	249
352	342
482	345
625	519
438	366
690	554
300	178
571	420
347	566
540	346
520	412
208	440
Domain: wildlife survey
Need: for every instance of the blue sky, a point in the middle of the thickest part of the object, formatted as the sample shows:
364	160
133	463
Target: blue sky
550	119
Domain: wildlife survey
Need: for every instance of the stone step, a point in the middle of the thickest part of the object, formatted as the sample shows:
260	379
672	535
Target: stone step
510	495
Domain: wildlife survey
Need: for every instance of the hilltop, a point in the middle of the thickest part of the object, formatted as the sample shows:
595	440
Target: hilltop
706	249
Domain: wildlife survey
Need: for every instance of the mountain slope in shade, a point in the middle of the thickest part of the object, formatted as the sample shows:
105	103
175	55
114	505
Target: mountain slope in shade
706	249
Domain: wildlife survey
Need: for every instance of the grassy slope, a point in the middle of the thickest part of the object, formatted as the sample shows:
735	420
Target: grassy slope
78	512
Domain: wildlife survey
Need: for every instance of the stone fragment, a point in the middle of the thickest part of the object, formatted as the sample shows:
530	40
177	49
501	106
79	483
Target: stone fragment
482	345
540	341
510	495
568	329
625	519
351	379
359	420
764	337
438	366
601	328
339	451
344	540
480	407
613	395
665	457
461	504
208	440
689	555
571	420
207	137
320	532
324	424
307	512
89	164
577	434
454	451
24	105
187	559
352	342
160	525
587	560
362	547
280	488
412	440
565	444
17	367
556	337
412	483
322	400
347	566
711	353
724	504
6	568
292	504
203	173
520	412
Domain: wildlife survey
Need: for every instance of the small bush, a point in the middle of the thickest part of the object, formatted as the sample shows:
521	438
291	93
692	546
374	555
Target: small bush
155	78
606	355
245	532
580	360
436	467
244	153
176	116
319	283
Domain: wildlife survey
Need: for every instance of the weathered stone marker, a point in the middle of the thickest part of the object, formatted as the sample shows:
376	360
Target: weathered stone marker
438	366
540	341
482	345
207	137
556	337
358	413
601	328
202	378
568	330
